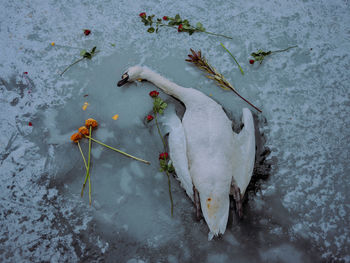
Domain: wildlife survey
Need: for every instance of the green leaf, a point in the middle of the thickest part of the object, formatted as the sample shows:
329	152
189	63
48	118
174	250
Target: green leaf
93	50
82	52
177	18
87	55
199	25
171	23
150	30
112	44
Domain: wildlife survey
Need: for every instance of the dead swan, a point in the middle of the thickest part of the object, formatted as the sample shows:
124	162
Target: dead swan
210	160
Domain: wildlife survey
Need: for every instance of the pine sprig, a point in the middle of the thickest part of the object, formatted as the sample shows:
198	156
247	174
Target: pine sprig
200	61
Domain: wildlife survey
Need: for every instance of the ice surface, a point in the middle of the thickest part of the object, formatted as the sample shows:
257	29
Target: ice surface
301	213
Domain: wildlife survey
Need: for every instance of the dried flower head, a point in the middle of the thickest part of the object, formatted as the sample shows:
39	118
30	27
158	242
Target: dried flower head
163	156
76	137
83	130
91	122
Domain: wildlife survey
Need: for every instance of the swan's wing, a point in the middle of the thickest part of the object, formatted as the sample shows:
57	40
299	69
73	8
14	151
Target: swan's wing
178	151
244	152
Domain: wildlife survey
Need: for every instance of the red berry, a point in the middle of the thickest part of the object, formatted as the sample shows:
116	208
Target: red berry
179	29
251	61
87	32
30	124
165	18
143	14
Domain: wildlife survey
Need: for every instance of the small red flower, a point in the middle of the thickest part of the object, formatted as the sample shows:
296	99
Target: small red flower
25	73
165	18
30	124
143	15
251	61
163	156
87	32
154	93
179	29
149	118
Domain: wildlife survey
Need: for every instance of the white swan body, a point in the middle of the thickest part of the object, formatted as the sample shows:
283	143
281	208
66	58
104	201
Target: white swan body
204	149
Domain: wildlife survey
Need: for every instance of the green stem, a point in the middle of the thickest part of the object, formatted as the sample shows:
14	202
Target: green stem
170	195
220	35
82	155
210	33
240	68
164	145
119	151
282	50
71	65
87	169
160	134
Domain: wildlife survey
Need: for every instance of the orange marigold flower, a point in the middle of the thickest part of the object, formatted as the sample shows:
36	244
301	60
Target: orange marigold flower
83	130
76	137
91	122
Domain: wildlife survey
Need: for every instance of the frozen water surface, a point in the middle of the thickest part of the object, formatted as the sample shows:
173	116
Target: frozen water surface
301	213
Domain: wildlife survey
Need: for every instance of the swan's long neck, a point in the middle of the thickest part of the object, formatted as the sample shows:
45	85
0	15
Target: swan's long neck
164	84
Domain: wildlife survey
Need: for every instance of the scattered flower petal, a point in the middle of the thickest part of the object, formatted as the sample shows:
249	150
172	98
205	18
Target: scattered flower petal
83	130
91	122
76	137
85	105
115	117
87	32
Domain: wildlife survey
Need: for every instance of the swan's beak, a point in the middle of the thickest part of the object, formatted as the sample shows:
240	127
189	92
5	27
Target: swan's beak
124	80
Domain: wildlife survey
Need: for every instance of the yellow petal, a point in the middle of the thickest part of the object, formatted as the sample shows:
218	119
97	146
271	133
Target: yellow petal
85	105
115	117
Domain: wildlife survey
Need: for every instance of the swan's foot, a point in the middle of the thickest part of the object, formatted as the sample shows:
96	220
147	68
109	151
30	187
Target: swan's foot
236	192
197	203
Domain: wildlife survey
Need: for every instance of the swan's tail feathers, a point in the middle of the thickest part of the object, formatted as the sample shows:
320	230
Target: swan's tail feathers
244	152
178	151
215	211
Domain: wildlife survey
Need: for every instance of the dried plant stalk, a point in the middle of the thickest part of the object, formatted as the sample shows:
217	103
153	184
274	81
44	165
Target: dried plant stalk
202	63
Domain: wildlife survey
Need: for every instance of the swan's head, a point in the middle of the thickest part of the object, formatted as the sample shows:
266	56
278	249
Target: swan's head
132	74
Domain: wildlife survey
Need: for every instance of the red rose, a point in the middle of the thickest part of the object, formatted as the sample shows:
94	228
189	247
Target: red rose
154	93
87	32
179	29
143	15
149	118
30	124
165	18
25	73
163	156
251	61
